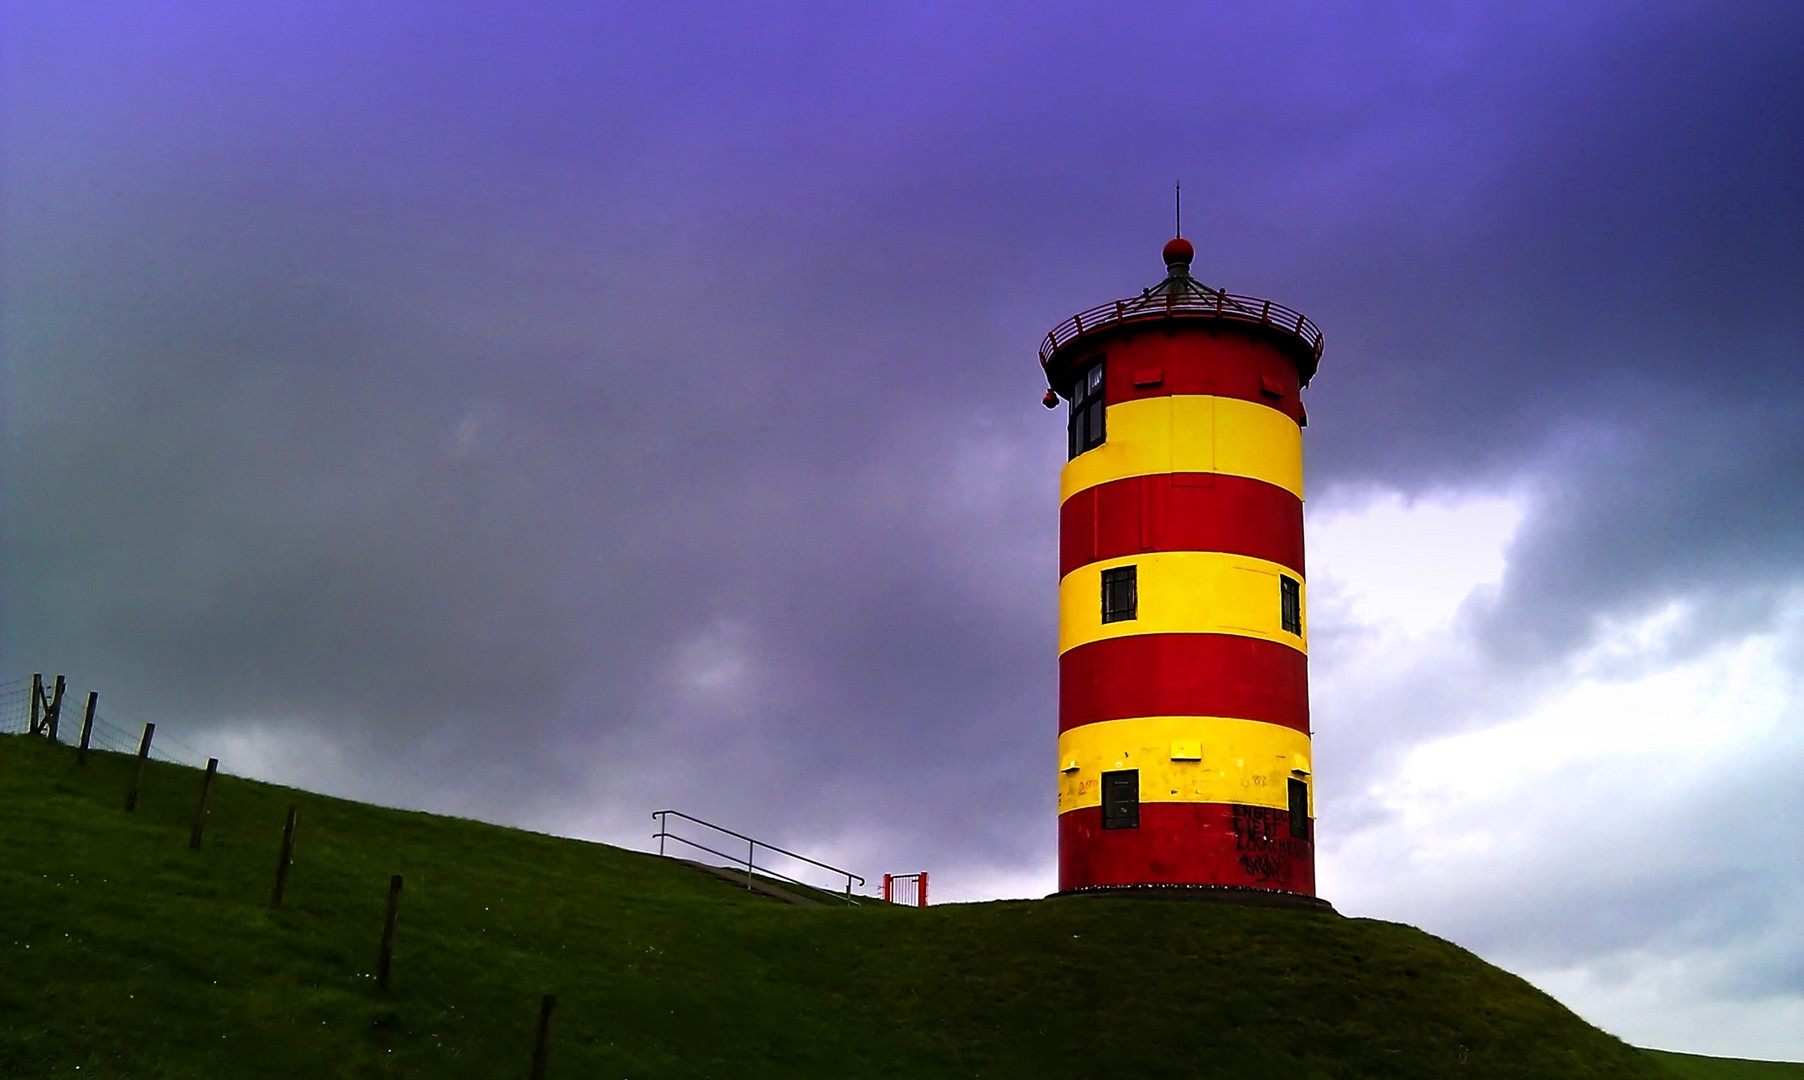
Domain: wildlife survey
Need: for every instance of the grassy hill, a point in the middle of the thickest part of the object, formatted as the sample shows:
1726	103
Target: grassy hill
128	955
1694	1067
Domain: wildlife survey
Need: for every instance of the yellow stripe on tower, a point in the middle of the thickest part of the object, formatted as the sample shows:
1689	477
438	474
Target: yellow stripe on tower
1191	433
1184	592
1208	759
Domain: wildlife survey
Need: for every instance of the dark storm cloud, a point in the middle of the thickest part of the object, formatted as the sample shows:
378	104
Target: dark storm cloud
584	407
1705	499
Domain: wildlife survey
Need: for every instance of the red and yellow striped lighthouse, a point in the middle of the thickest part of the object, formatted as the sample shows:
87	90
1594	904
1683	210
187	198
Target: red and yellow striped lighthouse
1184	758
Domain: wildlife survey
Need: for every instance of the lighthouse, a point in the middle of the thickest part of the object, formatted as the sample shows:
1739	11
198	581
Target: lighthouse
1184	744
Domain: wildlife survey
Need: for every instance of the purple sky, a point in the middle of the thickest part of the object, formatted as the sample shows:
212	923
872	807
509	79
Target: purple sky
549	416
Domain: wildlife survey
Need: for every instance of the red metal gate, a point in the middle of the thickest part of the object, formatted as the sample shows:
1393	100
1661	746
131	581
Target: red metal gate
909	890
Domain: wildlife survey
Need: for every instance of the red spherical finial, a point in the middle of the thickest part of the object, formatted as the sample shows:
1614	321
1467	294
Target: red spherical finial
1178	250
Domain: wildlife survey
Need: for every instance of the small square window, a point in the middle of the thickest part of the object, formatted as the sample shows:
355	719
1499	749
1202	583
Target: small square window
1120	595
1299	809
1290	604
1088	413
1121	799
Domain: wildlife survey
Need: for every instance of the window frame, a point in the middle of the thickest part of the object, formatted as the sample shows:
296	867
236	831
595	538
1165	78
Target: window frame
1298	793
1118	813
1116	575
1088	401
1290	604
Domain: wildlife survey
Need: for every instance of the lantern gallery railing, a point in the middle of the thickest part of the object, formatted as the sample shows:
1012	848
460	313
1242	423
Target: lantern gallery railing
1193	301
752	847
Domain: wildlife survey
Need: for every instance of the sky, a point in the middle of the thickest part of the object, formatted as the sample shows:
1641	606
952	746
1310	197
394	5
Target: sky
553	413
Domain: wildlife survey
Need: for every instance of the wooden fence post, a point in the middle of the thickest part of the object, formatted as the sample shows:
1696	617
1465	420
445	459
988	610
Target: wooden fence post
200	812
37	700
541	1044
386	957
131	796
87	728
275	898
55	712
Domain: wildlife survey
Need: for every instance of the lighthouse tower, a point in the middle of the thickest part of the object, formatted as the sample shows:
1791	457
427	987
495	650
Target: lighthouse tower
1184	760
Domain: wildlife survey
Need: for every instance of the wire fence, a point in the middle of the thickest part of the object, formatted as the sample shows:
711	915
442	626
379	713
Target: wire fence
114	729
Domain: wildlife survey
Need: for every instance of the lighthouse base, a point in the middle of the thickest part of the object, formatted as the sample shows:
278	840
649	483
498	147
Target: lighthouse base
1219	894
1221	845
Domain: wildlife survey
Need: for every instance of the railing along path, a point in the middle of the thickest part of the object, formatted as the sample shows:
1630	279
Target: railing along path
750	861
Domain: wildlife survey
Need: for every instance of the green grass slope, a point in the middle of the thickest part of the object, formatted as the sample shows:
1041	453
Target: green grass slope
1693	1067
127	955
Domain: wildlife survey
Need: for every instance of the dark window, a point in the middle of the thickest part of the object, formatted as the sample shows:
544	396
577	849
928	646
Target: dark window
1085	426
1299	809
1290	604
1120	595
1121	799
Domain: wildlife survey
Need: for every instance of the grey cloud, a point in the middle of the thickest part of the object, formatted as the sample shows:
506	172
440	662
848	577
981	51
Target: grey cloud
1704	501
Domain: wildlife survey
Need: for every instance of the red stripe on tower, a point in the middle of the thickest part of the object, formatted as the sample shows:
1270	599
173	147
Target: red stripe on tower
1176	843
1184	675
1181	512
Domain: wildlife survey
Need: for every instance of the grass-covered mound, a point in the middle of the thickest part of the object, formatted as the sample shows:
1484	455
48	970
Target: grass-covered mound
129	955
1693	1067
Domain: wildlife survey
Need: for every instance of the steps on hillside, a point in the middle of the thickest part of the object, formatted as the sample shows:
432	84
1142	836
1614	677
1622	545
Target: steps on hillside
753	883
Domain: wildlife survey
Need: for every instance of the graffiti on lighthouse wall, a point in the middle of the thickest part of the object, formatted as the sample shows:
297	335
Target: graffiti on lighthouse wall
1263	843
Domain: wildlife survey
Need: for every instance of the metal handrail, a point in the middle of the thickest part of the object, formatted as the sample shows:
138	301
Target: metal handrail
1198	300
662	817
